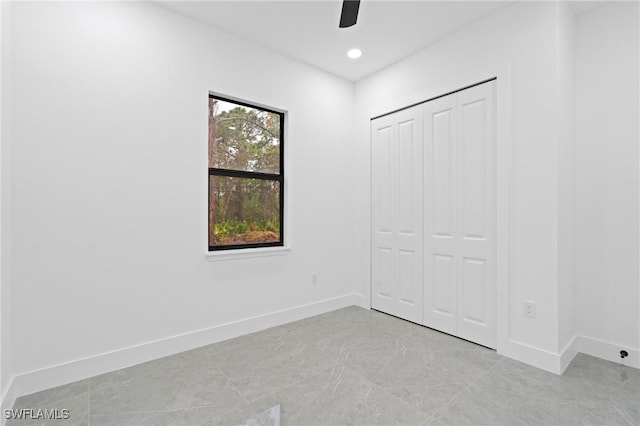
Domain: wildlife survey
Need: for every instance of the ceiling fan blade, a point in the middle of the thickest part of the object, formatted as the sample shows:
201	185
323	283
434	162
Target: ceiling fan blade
349	14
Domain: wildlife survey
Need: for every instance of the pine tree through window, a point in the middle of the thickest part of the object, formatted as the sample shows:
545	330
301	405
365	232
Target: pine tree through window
246	175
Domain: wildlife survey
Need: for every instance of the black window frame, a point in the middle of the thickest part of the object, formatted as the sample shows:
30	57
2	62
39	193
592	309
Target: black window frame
215	171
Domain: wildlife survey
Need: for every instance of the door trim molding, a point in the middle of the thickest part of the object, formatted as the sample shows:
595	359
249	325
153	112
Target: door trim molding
505	188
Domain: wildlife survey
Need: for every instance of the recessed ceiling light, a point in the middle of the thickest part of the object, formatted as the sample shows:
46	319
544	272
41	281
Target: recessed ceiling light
354	53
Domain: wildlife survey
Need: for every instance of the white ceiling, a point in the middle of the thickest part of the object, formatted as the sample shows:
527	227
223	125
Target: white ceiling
308	30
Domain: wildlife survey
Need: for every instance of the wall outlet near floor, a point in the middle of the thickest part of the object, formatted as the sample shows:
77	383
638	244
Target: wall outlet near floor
314	278
529	308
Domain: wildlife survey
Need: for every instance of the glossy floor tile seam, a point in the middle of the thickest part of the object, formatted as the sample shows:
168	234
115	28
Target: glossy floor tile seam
169	410
624	415
312	401
235	388
289	334
224	347
622	412
529	395
59	400
376	347
251	401
550	381
381	388
485	373
341	396
387	390
444	405
466	387
231	378
247	410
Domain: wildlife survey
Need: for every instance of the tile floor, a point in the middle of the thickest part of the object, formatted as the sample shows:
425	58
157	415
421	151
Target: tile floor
351	366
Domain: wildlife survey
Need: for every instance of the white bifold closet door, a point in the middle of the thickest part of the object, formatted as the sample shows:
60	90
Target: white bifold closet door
397	191
460	214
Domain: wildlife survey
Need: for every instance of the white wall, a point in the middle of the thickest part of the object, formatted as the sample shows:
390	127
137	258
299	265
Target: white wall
109	176
607	90
110	181
6	369
523	39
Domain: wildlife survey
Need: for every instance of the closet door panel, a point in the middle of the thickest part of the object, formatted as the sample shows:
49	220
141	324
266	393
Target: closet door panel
410	211
383	214
384	179
476	199
443	300
433	214
441	169
473	287
397	190
407	171
383	278
439	301
409	302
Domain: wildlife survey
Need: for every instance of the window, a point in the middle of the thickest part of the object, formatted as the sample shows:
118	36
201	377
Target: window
246	175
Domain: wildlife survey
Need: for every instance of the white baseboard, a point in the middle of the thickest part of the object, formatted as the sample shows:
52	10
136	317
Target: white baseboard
360	300
57	375
558	363
608	350
531	355
568	353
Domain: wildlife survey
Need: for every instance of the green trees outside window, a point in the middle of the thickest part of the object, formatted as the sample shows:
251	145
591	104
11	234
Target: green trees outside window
245	175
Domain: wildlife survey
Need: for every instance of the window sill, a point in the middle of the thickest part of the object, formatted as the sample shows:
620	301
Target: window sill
215	256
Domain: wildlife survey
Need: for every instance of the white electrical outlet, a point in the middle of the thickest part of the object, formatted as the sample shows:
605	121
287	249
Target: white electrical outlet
529	308
314	278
